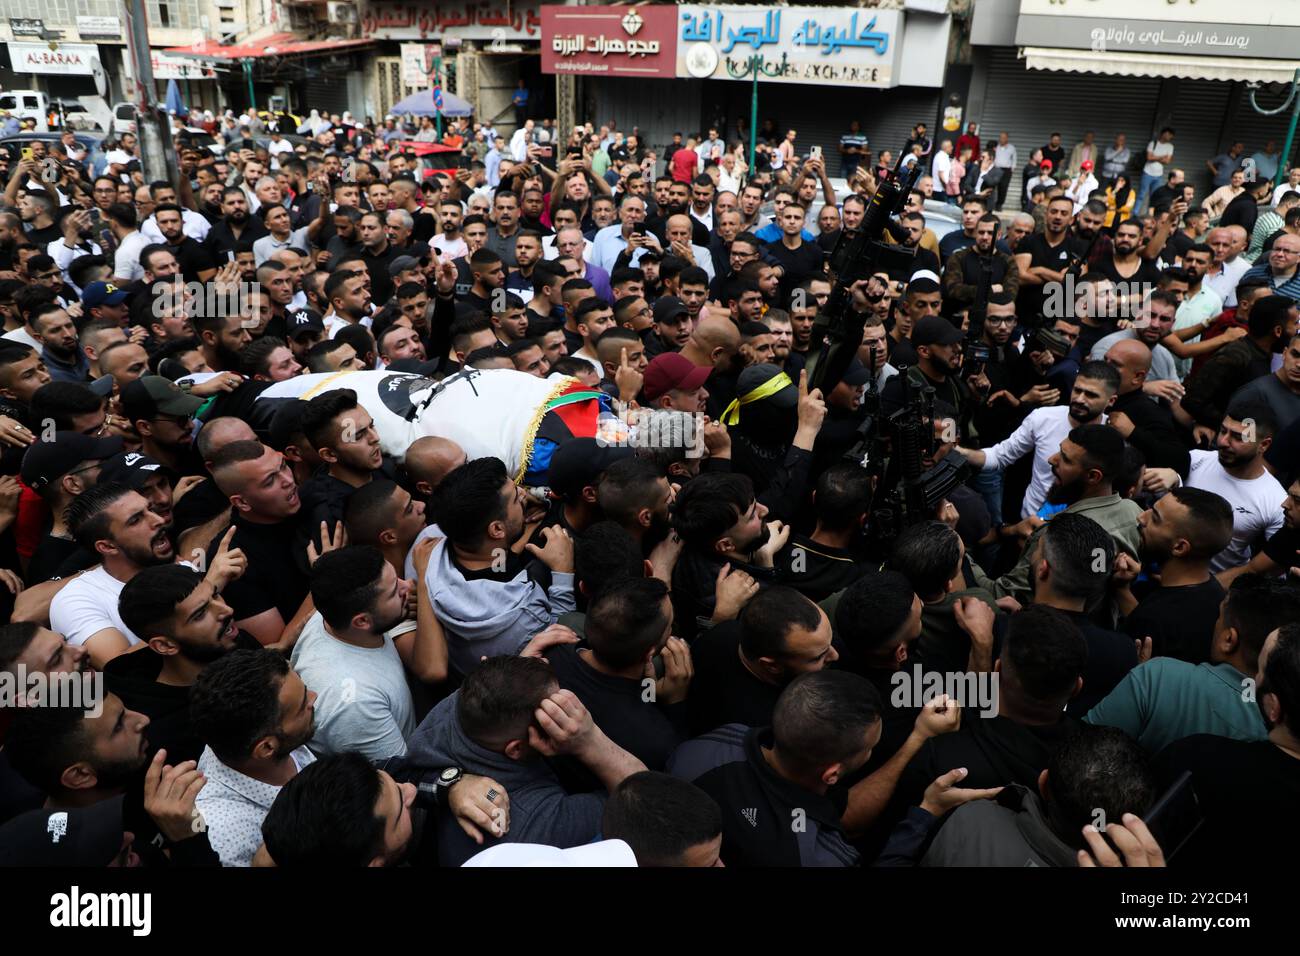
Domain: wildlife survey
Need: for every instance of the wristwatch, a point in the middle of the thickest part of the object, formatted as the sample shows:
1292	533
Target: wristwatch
447	779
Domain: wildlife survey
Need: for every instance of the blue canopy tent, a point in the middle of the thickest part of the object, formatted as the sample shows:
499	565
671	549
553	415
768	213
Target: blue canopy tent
421	104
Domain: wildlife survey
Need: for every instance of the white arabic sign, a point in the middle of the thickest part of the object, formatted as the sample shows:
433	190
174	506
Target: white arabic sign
837	46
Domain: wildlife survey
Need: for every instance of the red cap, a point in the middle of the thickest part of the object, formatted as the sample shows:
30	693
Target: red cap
672	370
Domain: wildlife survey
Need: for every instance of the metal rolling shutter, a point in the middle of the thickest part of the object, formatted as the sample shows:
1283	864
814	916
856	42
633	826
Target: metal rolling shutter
666	107
1198	117
1030	105
1251	128
324	89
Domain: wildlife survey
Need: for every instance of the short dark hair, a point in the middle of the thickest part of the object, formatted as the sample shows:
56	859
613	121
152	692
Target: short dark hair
1103	448
1097	769
469	498
1081	554
822	717
62	401
1100	371
1282	675
1045	655
660	817
1209	528
345	583
1254	410
626	620
604	554
236	702
1257	605
627	486
497	701
927	554
15	639
87	515
1267	314
769	617
319	415
843	495
325	815
709	505
872	610
148	601
367	513
43	742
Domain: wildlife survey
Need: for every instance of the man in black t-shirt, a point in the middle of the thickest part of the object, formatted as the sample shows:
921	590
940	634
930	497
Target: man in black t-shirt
195	261
1180	534
742	666
1247	790
799	260
271	596
1043	258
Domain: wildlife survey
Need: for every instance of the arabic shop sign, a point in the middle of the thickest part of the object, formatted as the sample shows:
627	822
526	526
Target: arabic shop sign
610	41
498	21
1141	26
836	46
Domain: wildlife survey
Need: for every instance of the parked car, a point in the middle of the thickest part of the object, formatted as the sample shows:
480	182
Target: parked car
123	118
75	116
28	104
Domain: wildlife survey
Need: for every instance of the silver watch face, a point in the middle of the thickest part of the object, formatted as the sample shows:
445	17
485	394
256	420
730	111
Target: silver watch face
448	775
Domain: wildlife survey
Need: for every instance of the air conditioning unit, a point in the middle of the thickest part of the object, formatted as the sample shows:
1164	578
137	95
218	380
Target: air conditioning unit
342	12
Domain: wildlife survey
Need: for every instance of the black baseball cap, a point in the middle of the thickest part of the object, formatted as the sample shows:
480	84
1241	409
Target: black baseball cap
303	321
133	469
45	462
935	330
82	836
669	307
580	462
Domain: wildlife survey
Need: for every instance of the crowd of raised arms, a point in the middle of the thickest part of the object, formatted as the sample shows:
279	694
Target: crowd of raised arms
302	646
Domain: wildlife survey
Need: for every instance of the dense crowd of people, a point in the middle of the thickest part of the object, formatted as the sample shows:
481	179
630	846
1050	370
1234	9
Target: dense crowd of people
313	648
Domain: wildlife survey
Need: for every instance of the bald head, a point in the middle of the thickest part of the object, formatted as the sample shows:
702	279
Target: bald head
430	459
1132	359
220	432
1240	238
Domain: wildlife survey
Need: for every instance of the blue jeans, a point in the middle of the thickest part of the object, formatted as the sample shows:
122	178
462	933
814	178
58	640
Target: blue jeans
1145	187
989	485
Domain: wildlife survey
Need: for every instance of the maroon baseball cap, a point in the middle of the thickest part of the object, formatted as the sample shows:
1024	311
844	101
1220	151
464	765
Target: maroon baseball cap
672	370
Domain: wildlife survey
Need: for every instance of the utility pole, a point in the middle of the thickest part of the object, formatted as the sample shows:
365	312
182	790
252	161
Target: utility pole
157	157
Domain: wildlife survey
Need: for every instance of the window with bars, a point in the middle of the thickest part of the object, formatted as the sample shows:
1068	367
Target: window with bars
162	13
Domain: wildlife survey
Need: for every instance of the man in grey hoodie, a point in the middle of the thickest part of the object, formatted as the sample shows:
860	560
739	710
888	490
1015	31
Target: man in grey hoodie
490	598
508	715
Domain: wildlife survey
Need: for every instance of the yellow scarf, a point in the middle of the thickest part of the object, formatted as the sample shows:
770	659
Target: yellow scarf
773	385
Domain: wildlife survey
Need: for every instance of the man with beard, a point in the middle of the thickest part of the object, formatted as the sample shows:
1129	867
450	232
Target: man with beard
964	273
360	598
185	626
1165	699
491	599
971	212
1083	470
633	493
82	757
1201	306
715	344
1180	534
163	416
1044	428
37	208
913	229
197	264
938	345
117	525
349	300
1151	326
160	270
1045	257
60	349
255	716
1235	470
624	243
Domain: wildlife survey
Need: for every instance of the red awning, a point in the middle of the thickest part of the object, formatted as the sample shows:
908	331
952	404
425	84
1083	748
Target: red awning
279	44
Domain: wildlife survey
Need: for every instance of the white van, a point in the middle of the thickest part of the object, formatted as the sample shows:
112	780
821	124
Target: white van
27	104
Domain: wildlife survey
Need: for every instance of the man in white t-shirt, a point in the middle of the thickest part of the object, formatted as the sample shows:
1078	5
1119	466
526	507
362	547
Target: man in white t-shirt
347	656
1159	152
116	524
1043	430
1235	471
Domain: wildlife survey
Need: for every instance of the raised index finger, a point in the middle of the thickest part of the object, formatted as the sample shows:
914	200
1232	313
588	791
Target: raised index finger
225	541
803	382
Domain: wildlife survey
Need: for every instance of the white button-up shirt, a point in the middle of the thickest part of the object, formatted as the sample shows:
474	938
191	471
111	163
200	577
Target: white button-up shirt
234	805
1042	431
